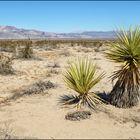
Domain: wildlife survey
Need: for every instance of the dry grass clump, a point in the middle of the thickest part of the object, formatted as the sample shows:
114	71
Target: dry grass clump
54	71
98	44
39	87
78	115
65	53
100	48
48	75
103	49
6	132
36	88
97	49
54	65
85	50
6	64
48	48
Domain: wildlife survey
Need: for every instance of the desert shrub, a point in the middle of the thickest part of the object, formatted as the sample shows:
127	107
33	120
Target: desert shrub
39	87
5	64
54	71
7	46
96	49
54	65
65	52
36	88
72	44
26	51
86	50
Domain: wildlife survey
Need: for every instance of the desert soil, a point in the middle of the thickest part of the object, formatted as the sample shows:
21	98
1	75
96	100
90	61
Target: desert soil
40	115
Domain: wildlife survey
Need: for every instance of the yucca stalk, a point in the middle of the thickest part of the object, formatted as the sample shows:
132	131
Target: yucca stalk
81	77
125	93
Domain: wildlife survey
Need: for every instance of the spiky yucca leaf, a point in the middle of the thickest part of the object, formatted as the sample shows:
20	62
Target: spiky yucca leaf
127	52
68	99
81	77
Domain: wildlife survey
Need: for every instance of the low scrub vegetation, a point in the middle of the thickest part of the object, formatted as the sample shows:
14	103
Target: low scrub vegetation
38	87
10	45
26	51
6	64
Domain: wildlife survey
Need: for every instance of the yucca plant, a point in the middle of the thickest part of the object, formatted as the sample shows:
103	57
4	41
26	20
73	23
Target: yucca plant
126	51
81	76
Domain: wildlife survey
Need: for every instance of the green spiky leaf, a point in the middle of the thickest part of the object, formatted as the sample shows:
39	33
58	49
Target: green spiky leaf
81	76
127	52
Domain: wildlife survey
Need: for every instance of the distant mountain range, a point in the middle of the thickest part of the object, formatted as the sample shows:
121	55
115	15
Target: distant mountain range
11	32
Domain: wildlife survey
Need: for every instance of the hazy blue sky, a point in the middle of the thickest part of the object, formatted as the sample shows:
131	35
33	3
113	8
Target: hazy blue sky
69	16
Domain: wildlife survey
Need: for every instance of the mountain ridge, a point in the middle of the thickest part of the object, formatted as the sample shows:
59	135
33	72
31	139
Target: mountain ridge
12	32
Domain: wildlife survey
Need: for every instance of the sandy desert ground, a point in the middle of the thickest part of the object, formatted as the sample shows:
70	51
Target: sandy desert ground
40	115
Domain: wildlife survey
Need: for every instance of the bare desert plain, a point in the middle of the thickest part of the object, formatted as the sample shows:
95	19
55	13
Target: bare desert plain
39	115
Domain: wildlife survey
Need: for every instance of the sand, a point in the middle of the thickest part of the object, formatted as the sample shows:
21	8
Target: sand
40	116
